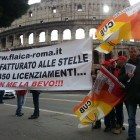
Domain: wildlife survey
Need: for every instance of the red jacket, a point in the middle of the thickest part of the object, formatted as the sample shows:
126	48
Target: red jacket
21	92
117	72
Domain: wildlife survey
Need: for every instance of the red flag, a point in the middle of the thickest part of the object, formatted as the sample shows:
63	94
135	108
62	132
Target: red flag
106	94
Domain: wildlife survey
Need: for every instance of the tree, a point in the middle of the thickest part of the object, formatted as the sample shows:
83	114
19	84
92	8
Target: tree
11	10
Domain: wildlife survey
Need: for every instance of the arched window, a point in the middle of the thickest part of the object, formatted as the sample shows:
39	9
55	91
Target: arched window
11	40
80	34
92	32
42	37
54	10
30	14
54	35
67	34
79	8
3	42
21	39
31	38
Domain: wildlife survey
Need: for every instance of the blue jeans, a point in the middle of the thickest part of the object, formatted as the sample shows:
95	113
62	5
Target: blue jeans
20	102
119	115
131	109
109	120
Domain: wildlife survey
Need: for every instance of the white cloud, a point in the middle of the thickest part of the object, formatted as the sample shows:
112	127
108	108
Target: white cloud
34	1
134	1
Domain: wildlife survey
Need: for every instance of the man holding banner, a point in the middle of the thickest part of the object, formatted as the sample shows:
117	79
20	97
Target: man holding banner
35	94
48	68
131	79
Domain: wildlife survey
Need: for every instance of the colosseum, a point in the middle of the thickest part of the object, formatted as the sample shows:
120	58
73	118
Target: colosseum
54	21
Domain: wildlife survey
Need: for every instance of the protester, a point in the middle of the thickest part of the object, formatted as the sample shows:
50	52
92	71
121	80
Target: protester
97	124
109	120
131	80
1	96
35	95
119	108
20	101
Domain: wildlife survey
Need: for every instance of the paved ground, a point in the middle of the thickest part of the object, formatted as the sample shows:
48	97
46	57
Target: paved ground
56	121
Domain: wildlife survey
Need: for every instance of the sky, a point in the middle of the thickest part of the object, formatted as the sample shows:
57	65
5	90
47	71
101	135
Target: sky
34	1
134	1
131	1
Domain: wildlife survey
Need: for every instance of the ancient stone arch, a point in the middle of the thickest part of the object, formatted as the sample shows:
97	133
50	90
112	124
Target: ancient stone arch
59	15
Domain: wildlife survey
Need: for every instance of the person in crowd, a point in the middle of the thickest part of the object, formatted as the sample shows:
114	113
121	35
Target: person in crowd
1	96
97	124
109	120
35	94
131	80
121	61
20	101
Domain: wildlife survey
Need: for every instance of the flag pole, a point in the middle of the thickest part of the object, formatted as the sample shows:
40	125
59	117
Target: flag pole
92	60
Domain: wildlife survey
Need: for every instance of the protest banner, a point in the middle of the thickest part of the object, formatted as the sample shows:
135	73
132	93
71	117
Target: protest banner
65	66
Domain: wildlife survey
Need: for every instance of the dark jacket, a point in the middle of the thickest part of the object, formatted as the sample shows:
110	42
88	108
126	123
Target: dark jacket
35	91
132	88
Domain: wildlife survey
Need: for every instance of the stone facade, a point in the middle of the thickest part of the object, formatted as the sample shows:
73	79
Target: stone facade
58	16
